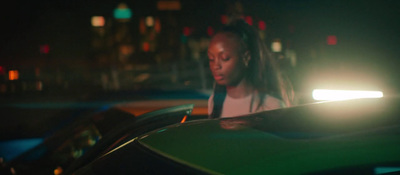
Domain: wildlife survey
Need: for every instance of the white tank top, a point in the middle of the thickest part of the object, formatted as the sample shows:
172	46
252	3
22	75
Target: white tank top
234	107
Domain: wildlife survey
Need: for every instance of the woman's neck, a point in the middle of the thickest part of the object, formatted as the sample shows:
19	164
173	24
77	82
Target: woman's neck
243	89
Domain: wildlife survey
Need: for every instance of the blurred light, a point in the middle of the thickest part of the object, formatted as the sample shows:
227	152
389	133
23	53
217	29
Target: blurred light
126	49
335	95
224	19
98	21
142	77
168	5
249	20
262	25
146	46
331	40
13	75
58	171
210	31
39	85
10	149
186	31
157	25
2	71
386	170
276	45
44	49
184	119
122	12
149	21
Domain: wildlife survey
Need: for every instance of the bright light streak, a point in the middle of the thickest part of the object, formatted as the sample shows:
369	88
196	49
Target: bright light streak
184	119
335	95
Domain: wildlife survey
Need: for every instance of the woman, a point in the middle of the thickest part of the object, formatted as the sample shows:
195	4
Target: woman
247	77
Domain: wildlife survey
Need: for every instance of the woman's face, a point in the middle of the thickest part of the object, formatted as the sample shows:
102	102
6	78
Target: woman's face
225	59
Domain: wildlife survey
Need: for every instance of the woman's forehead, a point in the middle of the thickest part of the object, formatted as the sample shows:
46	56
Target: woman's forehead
226	40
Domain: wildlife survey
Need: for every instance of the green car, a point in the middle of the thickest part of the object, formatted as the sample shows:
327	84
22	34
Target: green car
345	137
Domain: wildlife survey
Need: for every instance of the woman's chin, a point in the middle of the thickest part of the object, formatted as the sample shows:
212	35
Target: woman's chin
221	82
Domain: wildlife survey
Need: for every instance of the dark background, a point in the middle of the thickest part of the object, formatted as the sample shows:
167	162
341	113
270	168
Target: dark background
367	30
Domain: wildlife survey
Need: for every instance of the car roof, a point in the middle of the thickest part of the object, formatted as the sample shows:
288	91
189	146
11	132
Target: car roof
302	139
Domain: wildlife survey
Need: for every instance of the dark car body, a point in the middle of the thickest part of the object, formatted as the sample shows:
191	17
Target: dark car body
144	123
346	137
68	142
86	138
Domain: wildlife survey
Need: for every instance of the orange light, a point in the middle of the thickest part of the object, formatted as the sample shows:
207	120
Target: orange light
58	171
126	49
149	21
184	119
13	75
98	21
157	25
168	5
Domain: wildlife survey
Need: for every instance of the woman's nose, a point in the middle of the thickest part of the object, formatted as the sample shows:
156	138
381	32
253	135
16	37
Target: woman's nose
216	64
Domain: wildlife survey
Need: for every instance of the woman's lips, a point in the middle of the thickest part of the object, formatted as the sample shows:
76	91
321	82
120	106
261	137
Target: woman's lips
218	77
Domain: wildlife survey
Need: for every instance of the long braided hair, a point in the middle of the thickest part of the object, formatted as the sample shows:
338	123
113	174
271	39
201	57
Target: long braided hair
263	73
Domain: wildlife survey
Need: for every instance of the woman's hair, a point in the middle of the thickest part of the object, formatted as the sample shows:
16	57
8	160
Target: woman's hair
262	73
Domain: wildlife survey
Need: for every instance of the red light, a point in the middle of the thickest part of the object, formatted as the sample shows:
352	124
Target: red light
2	71
249	20
224	19
186	31
262	25
45	49
210	31
331	40
146	46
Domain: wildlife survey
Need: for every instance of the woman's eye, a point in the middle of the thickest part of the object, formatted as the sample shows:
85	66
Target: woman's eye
226	58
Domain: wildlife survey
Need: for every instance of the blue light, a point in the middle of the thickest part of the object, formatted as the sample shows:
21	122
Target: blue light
122	13
13	148
384	170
